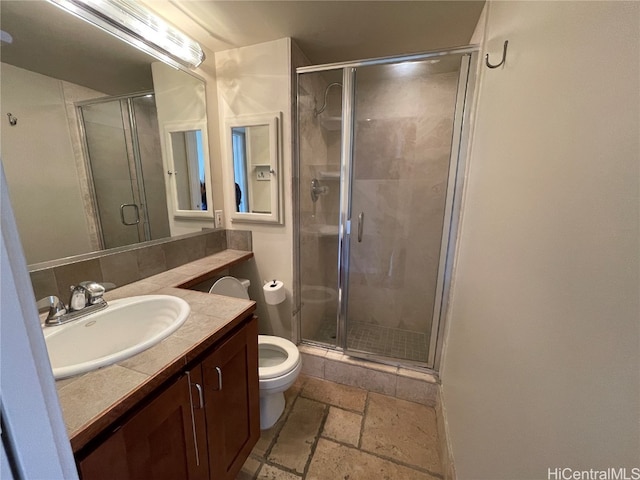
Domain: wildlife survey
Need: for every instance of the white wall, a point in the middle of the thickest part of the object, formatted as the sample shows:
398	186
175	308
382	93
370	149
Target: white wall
541	367
181	99
44	166
255	80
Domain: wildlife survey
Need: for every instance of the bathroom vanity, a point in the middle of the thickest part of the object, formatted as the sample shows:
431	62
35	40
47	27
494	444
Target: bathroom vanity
202	424
186	408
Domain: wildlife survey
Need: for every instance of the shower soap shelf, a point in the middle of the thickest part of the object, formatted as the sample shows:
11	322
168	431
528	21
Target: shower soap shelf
329	175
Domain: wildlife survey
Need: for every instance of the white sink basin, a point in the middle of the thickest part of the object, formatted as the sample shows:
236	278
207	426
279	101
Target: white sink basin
123	329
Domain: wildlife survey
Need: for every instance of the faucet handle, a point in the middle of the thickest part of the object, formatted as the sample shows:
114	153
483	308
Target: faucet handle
85	294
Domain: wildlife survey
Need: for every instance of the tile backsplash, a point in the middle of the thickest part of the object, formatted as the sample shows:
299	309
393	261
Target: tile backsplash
132	263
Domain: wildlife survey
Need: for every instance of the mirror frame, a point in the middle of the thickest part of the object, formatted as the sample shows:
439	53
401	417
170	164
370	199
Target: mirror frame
176	127
273	120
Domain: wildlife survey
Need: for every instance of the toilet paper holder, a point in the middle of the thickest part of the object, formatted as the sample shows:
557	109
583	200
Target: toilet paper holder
274	292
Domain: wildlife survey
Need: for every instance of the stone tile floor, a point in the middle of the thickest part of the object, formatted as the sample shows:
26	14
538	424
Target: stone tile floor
330	431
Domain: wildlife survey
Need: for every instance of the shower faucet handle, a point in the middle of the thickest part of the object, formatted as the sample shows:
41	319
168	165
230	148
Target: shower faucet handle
317	190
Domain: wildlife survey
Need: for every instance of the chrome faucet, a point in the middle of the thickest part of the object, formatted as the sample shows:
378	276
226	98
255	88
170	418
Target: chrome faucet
86	298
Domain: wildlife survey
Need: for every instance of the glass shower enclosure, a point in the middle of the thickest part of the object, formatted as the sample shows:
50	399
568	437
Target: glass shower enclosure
381	145
125	168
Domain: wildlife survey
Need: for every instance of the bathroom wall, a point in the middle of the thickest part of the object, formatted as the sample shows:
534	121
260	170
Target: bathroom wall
43	154
180	98
541	363
254	80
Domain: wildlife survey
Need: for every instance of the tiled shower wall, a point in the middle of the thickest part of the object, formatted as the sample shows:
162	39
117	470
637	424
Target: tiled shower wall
130	264
402	151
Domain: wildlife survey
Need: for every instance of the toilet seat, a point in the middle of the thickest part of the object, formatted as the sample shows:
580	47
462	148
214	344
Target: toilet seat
276	348
229	287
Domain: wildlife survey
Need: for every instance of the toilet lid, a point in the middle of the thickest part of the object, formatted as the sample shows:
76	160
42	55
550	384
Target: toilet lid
230	287
278	356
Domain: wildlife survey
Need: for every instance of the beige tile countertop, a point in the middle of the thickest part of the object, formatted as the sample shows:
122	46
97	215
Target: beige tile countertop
93	401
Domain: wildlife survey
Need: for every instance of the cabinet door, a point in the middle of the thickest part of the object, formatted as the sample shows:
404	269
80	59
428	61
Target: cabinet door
232	402
164	440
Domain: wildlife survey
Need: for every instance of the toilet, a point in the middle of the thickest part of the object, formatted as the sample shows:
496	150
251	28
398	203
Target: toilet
279	361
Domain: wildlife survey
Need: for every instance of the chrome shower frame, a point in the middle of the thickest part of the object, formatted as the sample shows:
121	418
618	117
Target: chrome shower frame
458	161
129	129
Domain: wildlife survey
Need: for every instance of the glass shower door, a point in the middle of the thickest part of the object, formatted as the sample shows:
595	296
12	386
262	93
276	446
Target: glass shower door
126	171
113	177
403	131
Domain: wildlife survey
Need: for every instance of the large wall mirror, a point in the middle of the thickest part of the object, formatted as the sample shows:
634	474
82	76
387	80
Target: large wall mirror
87	163
253	161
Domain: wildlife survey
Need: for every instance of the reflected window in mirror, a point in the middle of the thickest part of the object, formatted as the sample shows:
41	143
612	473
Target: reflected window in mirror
253	163
238	145
252	169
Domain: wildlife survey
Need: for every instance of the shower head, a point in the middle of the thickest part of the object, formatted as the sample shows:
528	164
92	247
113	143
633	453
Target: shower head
317	112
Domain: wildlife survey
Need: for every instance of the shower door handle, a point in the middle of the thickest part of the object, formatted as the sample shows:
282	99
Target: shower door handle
360	226
135	207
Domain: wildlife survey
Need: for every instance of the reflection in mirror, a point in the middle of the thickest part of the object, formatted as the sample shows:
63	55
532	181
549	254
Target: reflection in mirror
188	160
252	169
125	171
63	172
253	153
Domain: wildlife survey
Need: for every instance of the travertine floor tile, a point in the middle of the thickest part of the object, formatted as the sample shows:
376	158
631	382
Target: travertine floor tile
343	396
343	426
332	461
293	445
249	469
402	430
269	472
267	436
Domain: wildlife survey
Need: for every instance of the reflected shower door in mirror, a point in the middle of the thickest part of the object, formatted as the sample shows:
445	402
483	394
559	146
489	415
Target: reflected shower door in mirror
254	165
188	169
122	148
49	178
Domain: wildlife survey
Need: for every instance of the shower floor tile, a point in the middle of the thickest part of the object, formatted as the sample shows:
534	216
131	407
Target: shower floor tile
390	342
378	340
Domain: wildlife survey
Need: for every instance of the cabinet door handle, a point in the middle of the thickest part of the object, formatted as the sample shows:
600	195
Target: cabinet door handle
219	370
193	418
200	394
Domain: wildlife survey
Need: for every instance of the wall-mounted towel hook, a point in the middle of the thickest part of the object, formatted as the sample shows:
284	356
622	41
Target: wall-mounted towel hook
504	56
13	121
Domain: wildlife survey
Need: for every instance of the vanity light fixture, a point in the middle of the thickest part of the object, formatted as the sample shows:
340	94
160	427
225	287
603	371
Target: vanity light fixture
133	23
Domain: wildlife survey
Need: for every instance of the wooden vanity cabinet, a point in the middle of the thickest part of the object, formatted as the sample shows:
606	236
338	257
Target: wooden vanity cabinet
158	442
193	429
232	402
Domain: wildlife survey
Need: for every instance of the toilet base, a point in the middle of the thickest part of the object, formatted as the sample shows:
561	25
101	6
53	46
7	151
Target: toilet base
271	407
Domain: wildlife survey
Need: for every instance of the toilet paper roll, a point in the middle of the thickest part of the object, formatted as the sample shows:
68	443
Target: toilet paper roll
274	292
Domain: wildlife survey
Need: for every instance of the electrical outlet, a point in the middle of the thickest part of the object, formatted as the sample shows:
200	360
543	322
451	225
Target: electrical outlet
218	219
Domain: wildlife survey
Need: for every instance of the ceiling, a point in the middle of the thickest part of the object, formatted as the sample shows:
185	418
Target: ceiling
52	42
